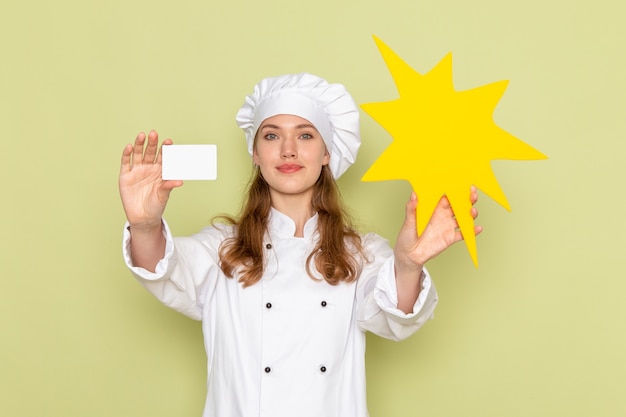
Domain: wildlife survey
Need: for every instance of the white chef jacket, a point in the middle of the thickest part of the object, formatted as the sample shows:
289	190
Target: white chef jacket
289	345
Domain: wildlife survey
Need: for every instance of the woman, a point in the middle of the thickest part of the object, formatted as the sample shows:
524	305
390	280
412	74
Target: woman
287	290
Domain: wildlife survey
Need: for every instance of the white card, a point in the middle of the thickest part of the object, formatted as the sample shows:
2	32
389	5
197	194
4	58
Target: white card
189	162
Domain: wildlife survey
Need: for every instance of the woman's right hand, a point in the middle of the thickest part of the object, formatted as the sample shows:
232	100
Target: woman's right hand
143	191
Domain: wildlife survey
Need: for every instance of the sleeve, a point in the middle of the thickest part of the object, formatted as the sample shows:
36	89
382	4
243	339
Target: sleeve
377	295
184	279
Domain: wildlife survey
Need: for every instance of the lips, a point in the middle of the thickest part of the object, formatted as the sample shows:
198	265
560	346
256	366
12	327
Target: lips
289	168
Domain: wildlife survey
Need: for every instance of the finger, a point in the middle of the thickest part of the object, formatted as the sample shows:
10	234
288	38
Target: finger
409	215
444	203
151	149
169	185
473	194
166	188
459	235
444	210
474	212
138	148
126	154
166	142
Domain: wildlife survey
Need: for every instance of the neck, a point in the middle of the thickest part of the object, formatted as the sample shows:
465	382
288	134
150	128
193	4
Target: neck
297	207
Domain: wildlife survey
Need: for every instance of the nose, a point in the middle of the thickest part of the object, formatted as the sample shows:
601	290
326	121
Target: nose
288	148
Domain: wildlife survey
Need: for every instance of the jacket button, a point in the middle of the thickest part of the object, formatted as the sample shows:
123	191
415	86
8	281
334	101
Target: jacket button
268	369
324	303
268	246
323	368
268	305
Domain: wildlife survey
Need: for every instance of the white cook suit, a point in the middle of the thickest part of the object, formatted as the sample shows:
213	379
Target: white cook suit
289	345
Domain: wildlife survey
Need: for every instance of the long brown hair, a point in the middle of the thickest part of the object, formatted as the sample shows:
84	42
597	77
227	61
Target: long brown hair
337	255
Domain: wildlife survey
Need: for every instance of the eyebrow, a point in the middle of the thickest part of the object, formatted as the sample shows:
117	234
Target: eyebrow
301	126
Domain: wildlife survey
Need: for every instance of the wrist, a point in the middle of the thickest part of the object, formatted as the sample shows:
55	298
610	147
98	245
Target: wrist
144	228
409	264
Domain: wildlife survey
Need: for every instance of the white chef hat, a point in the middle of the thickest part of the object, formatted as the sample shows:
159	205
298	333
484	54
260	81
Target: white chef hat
329	107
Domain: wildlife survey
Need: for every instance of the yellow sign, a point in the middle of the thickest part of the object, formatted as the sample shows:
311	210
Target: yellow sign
443	140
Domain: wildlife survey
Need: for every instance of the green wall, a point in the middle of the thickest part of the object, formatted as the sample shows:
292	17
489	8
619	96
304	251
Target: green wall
537	330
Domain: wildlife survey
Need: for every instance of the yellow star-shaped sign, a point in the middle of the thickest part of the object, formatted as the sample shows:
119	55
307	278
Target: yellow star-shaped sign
444	140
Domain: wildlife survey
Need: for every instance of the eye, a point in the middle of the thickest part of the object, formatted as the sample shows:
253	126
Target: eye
270	136
306	136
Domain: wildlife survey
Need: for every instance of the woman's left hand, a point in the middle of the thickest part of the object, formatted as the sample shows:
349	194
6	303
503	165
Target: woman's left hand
442	231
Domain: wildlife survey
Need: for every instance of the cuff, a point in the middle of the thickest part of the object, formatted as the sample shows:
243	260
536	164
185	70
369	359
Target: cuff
386	292
162	265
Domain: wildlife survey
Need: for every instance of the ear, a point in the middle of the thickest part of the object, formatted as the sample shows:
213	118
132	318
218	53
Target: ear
255	157
326	158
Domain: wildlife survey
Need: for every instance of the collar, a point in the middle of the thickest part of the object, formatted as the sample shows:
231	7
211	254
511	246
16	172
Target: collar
281	226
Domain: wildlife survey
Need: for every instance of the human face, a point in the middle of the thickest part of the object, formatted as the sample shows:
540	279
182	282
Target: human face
290	153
